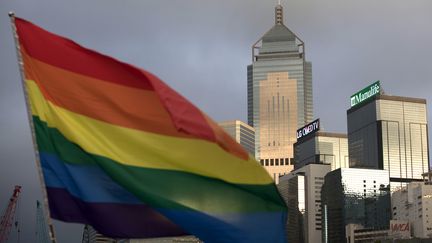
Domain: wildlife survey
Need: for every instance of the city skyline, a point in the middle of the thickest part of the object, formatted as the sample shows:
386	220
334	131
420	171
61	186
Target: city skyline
373	42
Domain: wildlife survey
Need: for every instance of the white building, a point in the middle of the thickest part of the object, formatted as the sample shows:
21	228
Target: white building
304	207
414	203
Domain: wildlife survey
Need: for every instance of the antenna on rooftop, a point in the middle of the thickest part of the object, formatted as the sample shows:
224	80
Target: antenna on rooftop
279	13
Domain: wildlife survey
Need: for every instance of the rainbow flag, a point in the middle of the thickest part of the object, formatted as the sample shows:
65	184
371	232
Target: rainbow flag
125	153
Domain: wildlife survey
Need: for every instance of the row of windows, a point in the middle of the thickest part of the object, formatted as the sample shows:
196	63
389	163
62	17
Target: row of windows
273	162
405	155
364	181
369	190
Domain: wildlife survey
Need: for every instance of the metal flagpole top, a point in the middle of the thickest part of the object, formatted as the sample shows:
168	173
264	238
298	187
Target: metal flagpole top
11	14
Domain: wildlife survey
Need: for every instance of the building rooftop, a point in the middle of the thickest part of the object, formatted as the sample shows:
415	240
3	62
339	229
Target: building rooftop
387	97
277	33
235	122
279	41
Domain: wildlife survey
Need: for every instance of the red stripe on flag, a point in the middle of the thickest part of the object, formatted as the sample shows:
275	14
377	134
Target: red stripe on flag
66	54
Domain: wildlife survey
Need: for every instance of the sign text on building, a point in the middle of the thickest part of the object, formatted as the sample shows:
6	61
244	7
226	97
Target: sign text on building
308	129
400	228
366	93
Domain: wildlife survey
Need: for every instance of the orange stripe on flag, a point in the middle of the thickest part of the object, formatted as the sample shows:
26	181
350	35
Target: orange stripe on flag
120	105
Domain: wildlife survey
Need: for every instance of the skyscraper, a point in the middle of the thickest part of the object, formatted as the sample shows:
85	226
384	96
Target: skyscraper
390	133
279	95
242	133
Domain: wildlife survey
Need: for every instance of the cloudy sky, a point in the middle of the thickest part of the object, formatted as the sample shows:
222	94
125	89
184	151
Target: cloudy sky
202	48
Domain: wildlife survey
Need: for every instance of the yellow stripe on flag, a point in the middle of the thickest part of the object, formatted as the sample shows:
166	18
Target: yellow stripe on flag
137	148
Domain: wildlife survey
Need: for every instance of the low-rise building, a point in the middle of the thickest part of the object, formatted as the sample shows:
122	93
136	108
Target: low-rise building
414	204
322	148
356	233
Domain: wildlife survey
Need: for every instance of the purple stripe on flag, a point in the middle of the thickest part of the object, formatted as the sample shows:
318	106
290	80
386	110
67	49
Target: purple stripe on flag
111	219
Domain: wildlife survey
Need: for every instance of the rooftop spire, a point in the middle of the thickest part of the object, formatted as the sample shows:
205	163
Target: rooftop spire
279	13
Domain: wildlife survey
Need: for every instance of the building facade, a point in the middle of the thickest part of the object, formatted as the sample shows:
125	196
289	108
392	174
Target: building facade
304	204
322	148
356	233
390	133
292	190
354	196
279	95
413	203
242	133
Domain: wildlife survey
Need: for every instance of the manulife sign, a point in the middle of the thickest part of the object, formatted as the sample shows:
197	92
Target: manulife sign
366	93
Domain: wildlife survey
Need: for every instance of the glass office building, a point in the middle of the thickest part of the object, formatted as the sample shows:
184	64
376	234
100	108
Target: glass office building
322	148
390	133
242	133
354	196
279	95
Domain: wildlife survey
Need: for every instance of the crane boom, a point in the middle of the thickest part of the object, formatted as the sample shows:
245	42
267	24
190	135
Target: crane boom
8	215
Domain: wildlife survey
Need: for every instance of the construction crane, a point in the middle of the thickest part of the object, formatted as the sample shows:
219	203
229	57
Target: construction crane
42	234
9	215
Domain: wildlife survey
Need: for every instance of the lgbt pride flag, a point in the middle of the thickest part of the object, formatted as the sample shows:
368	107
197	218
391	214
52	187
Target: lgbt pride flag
125	153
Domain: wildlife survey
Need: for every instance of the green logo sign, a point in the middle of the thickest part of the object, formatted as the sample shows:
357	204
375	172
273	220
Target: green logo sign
366	93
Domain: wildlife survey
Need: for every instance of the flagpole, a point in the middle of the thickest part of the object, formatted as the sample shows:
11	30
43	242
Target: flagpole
29	116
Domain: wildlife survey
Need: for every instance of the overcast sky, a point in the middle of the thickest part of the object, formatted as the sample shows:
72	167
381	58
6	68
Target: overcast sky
202	48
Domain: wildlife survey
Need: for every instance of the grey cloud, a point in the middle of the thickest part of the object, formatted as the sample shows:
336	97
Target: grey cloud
202	48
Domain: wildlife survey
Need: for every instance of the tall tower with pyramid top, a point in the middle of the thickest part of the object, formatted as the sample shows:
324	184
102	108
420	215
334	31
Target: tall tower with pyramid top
279	86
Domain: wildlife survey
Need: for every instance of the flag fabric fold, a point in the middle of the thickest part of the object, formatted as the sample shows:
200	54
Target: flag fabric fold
122	151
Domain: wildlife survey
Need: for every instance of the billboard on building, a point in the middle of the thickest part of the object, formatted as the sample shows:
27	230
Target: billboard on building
308	129
366	93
